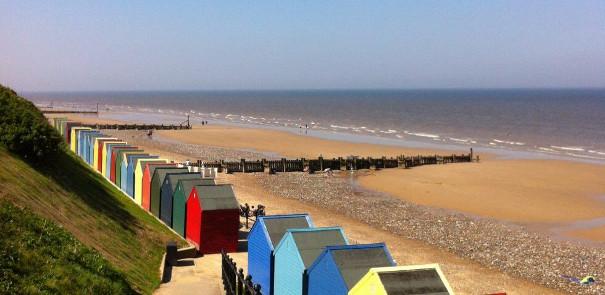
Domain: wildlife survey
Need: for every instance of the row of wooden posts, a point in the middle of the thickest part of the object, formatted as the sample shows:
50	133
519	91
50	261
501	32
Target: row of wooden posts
234	280
321	164
138	126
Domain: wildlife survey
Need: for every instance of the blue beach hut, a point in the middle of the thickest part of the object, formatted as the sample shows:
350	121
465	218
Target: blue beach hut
297	251
90	145
132	159
339	268
124	167
82	142
127	174
110	147
264	236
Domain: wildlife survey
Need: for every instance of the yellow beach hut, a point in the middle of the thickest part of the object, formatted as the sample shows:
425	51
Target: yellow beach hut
95	152
74	137
138	177
410	279
105	153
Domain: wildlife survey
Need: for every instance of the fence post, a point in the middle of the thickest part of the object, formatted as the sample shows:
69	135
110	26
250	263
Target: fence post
240	283
283	163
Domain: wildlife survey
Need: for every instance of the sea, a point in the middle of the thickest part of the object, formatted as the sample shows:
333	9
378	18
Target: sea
560	123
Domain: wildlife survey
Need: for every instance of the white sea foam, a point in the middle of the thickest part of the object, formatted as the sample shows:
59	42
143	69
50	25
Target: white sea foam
546	149
568	148
340	127
509	142
462	140
420	134
596	152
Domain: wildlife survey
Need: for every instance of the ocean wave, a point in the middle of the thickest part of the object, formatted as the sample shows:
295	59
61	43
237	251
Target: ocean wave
462	140
546	149
420	134
568	148
341	127
596	152
508	142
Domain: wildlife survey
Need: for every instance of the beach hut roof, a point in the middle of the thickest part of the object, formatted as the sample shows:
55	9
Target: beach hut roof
310	242
413	279
175	178
277	225
216	197
188	184
162	171
354	261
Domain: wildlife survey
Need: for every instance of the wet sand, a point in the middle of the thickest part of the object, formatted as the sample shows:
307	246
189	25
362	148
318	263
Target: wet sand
524	191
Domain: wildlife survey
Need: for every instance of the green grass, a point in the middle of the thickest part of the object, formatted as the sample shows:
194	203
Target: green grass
38	257
69	193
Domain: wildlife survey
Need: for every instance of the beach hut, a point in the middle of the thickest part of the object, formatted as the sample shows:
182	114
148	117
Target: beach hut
413	279
121	161
58	124
179	202
138	176
83	140
339	268
102	159
63	127
92	139
114	156
212	218
167	193
107	155
155	187
87	145
68	127
146	182
264	236
297	251
130	167
75	133
98	151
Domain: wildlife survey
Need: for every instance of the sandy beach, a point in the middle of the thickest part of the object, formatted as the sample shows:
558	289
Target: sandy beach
535	194
539	193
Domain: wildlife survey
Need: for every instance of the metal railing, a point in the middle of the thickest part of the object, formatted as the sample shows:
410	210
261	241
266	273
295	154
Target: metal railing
234	281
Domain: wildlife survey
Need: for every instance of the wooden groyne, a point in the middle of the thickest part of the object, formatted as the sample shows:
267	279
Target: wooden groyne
321	164
68	112
138	126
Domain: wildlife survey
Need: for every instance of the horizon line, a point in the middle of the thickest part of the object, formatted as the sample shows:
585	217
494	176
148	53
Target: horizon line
320	89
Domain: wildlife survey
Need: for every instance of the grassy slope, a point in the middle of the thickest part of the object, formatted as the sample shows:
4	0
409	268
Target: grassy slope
71	194
37	256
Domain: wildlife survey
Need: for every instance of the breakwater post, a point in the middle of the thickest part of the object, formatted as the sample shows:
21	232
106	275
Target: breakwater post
321	164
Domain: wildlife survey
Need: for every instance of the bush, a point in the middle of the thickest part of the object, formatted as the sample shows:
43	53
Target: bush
38	257
23	128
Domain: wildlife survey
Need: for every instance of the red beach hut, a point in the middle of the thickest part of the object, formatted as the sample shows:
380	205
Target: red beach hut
114	153
212	218
100	157
146	182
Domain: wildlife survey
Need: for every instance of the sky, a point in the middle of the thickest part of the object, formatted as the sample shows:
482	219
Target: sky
206	45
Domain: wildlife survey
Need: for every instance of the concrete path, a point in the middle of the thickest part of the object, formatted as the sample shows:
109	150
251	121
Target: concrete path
200	275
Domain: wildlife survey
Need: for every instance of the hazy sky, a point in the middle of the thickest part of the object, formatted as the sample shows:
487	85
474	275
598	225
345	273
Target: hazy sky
150	45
